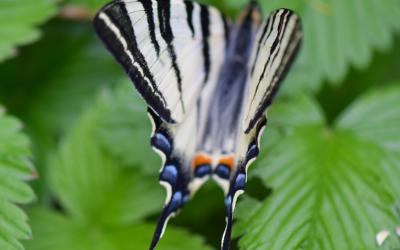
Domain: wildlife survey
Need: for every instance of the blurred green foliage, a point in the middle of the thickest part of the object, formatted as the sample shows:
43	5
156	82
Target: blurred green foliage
15	166
327	178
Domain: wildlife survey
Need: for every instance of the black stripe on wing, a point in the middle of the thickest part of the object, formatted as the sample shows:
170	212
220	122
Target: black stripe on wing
264	33
113	26
205	29
164	17
282	25
189	10
148	8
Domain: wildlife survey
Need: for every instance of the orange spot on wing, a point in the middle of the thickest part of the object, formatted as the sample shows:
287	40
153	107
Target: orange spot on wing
227	161
201	159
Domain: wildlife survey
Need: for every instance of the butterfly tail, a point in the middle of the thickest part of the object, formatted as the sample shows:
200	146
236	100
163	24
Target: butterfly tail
161	225
237	187
170	210
226	238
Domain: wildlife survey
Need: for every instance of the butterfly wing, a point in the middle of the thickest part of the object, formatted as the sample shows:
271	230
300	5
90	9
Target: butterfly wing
165	48
172	50
277	42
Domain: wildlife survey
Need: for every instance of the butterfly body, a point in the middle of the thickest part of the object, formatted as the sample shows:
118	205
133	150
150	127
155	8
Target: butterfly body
207	83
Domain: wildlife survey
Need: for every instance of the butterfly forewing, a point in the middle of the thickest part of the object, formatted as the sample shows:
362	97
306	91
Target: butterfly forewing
165	47
278	41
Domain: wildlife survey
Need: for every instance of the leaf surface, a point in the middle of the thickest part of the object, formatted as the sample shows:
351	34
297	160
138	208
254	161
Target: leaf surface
124	113
15	168
105	205
93	186
18	23
71	235
327	183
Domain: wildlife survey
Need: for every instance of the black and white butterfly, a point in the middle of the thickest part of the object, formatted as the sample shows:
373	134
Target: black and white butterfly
207	82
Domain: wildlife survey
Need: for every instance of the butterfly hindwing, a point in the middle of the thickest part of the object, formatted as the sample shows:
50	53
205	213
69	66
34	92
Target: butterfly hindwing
170	49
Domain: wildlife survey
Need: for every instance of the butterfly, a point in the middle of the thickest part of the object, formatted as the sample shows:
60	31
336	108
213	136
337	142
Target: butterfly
207	82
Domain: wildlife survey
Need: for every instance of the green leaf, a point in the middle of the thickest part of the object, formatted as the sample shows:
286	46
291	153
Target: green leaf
62	74
375	118
71	235
15	167
124	113
230	7
105	203
91	6
52	91
84	68
338	34
333	188
93	186
18	21
383	69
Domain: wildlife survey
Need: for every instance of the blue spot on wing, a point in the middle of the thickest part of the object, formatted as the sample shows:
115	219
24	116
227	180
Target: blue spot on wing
240	182
176	201
252	152
223	171
161	142
202	171
170	175
228	204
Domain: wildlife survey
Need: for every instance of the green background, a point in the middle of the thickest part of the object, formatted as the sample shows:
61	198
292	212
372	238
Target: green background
77	171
